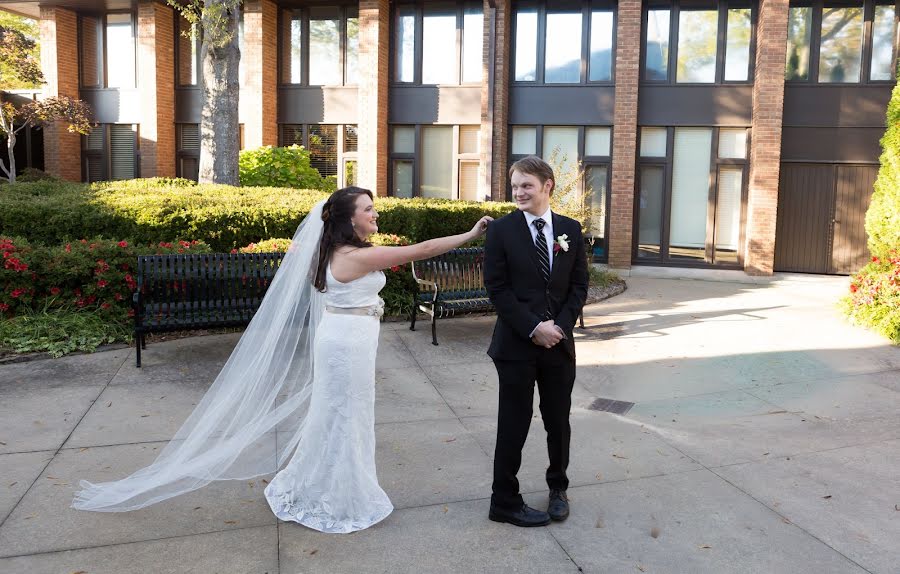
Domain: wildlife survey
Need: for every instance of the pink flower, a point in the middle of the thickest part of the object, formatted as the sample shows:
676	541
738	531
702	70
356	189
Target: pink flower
16	293
123	244
68	248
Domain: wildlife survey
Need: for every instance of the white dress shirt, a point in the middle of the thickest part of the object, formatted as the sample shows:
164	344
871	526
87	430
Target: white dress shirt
548	231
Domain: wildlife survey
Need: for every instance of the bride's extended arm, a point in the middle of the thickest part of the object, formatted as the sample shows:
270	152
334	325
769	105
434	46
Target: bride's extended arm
376	258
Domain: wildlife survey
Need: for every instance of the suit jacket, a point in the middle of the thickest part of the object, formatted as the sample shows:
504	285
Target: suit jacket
518	291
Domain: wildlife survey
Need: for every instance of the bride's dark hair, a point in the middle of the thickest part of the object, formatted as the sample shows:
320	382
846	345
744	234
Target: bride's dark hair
338	230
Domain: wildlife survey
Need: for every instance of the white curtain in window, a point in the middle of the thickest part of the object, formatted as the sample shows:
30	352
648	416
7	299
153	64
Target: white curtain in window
596	141
728	210
404	139
437	162
468	139
563	142
690	187
653	142
468	181
524	140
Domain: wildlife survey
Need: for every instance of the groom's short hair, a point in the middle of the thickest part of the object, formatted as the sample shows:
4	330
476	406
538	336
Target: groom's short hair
533	165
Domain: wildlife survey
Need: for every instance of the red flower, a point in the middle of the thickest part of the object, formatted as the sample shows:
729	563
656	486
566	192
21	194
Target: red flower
395	268
875	260
184	243
101	284
556	248
118	296
105	306
68	248
853	288
234	250
55	290
4	307
16	293
123	244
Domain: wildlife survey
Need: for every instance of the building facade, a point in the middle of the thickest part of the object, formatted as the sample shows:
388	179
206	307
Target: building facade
736	134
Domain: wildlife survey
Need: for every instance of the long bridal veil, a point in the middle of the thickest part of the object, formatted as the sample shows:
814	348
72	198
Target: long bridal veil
250	420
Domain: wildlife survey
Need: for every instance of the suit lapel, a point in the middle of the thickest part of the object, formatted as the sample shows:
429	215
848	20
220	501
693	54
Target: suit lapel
524	236
558	229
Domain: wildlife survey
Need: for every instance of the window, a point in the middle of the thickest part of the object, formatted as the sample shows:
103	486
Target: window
581	158
713	45
188	53
564	46
846	43
320	46
438	45
188	150
332	148
107	46
110	152
436	161
689	201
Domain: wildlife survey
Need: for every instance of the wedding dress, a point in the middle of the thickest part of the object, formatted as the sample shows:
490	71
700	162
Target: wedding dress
330	484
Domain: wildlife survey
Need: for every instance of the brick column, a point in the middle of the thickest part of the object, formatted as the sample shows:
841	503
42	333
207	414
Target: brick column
765	153
156	81
495	114
59	62
259	94
374	60
628	52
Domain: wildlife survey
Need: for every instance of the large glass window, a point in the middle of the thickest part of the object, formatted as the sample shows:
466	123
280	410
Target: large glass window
840	51
689	201
827	43
702	45
320	46
438	44
562	58
698	32
108	51
332	148
569	44
435	161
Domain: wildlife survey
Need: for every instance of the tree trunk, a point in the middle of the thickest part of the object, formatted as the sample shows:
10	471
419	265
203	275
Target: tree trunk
219	129
10	151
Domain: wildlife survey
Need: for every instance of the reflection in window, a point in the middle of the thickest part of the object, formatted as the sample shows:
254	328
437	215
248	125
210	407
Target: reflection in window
404	140
296	69
473	47
690	193
737	49
405	45
324	52
732	143
119	51
323	149
840	50
526	45
697	39
561	147
351	138
657	49
601	46
402	178
653	142
352	51
596	178
650	208
91	52
438	60
883	43
562	61
799	31
437	161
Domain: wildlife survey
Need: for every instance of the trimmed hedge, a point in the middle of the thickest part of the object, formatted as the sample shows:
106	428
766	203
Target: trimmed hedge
149	211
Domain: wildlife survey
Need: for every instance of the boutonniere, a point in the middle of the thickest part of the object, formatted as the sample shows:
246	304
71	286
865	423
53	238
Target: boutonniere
562	242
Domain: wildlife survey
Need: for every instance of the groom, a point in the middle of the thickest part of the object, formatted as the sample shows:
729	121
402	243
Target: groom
535	272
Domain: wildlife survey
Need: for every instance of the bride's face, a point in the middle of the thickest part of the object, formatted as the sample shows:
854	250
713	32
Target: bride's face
365	218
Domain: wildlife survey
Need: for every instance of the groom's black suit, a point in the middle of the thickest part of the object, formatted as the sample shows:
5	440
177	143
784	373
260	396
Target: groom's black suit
521	296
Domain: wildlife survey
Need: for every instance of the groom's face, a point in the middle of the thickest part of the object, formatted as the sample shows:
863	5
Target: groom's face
529	193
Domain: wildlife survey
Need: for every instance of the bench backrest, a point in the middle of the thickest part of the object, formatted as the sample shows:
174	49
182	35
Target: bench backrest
458	270
207	280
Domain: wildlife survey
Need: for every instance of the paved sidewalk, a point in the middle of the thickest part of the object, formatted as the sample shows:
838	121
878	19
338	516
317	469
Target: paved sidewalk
764	439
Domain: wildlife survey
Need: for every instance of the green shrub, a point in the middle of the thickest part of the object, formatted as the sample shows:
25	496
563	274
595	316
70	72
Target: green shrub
874	299
281	167
60	331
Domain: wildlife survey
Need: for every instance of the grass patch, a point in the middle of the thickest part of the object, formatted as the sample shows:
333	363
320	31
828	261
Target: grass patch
59	331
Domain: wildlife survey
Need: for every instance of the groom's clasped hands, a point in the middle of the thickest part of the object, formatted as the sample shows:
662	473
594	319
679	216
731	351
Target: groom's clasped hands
547	334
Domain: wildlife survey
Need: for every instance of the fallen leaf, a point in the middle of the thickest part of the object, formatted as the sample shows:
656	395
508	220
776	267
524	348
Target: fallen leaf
641	568
80	572
765	454
109	404
600	523
786	521
313	551
3	443
162	397
897	507
827	497
144	416
252	484
450	439
83	449
231	522
620	456
446	509
30	517
52	478
704	546
599	476
654	532
197	507
13	484
264	481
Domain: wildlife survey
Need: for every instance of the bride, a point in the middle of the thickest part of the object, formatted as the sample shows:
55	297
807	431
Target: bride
299	386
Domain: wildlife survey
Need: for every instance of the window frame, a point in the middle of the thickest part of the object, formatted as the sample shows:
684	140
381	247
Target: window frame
459	8
104	155
587	8
341	157
867	47
345	12
667	162
675	8
104	48
416	157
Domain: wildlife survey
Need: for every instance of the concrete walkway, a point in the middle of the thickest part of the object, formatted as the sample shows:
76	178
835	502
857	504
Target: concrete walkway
764	439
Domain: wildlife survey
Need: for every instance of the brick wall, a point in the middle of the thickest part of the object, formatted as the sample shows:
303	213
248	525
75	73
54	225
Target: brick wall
156	82
628	50
374	62
765	154
59	61
259	94
495	131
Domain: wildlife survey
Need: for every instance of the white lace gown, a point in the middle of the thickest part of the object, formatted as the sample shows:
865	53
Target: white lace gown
330	483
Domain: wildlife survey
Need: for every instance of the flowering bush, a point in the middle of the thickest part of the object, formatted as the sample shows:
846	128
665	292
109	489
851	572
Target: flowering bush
96	274
874	298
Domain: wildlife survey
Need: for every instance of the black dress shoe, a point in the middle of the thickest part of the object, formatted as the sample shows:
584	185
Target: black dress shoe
558	509
524	516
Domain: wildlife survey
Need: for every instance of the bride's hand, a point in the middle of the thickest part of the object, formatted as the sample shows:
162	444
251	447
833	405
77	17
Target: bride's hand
481	227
